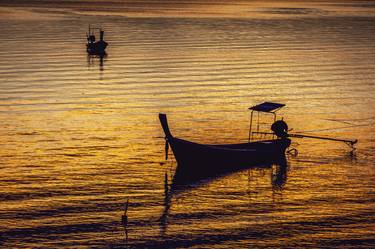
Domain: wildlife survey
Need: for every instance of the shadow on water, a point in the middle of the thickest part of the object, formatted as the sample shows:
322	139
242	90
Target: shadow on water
93	59
184	181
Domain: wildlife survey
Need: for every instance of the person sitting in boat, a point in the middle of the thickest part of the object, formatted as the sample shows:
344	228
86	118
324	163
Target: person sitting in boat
280	128
91	38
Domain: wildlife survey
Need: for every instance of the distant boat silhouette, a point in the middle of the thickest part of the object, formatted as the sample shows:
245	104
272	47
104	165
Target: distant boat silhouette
93	46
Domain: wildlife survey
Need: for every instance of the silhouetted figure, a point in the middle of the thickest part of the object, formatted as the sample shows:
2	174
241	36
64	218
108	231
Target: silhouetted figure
280	128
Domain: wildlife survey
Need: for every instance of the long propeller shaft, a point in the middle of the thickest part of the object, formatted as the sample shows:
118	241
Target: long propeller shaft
352	142
348	141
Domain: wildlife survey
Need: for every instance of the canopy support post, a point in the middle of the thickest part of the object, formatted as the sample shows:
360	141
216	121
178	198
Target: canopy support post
274	120
251	122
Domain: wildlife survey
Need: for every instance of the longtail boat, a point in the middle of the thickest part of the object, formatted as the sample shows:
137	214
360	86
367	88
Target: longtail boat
204	159
220	158
93	46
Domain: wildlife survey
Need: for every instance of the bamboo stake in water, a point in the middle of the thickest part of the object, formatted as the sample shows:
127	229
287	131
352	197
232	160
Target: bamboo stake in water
124	218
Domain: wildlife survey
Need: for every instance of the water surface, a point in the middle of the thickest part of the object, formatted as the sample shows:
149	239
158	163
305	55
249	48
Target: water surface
80	135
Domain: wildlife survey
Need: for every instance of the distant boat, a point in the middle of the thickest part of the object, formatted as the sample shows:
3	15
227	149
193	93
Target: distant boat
206	159
93	46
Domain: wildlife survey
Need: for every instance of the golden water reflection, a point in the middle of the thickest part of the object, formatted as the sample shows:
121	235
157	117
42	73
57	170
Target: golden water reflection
78	141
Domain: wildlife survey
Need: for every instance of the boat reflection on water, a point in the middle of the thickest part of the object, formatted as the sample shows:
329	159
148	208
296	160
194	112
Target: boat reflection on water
199	164
93	59
279	175
184	180
184	177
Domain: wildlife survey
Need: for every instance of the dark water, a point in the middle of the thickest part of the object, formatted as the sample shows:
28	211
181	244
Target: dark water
79	135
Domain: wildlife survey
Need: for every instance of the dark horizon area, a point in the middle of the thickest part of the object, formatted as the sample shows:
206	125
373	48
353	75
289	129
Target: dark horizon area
237	9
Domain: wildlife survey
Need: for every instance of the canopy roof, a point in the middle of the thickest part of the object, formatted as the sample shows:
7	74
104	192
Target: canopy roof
267	107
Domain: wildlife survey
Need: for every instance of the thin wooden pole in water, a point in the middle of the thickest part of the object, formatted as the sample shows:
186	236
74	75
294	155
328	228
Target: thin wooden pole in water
124	217
124	220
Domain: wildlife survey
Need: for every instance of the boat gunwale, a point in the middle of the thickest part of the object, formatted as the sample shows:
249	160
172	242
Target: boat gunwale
229	147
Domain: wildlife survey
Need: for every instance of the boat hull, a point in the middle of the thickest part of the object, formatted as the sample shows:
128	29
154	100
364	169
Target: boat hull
96	47
205	159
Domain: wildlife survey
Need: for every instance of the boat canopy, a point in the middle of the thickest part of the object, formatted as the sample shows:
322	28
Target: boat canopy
267	107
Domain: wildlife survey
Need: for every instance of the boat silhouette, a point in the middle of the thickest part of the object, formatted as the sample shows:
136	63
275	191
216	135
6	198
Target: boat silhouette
207	159
195	159
93	46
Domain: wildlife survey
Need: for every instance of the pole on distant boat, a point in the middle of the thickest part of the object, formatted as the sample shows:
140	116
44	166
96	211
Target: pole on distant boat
101	35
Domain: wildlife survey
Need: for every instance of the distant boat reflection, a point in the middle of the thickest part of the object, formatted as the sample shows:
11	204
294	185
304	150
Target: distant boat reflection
92	60
183	181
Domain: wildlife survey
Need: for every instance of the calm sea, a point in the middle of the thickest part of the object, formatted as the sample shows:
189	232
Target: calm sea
80	134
